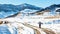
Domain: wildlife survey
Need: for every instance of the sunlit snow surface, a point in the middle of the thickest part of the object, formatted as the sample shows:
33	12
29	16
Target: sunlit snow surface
17	26
4	14
28	11
5	29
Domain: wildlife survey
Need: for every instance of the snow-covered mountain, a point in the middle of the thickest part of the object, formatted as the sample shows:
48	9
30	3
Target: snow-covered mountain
27	24
28	6
53	7
28	11
9	9
51	10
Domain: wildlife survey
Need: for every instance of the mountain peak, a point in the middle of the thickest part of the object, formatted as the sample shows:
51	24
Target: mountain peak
29	6
26	4
53	7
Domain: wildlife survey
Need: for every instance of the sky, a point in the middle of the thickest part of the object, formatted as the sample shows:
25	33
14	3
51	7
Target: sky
39	3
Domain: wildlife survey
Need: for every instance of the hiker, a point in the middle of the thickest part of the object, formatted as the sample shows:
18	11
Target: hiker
40	24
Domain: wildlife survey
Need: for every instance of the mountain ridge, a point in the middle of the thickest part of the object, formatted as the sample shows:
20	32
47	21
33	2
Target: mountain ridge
9	9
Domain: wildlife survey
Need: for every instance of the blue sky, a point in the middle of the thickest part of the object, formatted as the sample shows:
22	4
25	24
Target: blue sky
39	3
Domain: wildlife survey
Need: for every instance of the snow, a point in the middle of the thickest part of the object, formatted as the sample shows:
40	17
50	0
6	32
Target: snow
28	11
54	27
16	22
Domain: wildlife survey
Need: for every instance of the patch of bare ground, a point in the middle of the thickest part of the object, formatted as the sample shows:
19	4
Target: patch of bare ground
52	17
58	32
1	22
36	29
48	31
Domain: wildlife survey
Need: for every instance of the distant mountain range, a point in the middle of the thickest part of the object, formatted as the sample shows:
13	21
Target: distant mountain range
18	7
9	9
28	6
53	7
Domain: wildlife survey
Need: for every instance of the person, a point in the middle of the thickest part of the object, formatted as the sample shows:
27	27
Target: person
6	22
40	24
